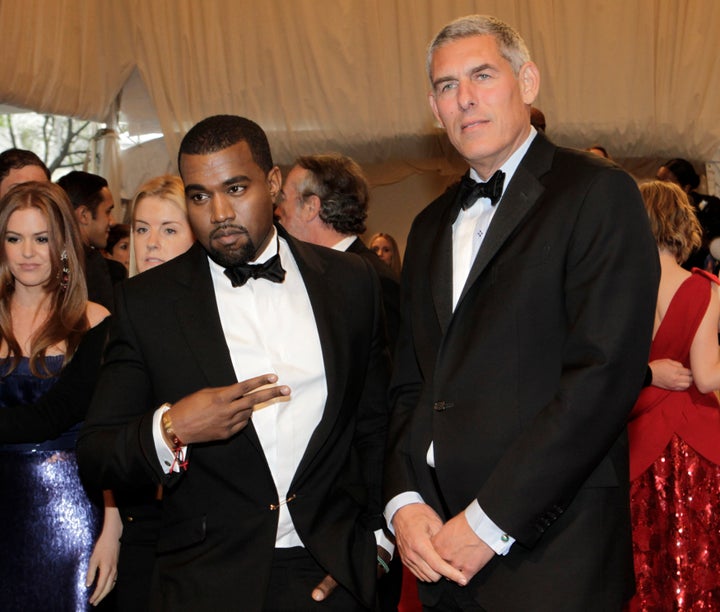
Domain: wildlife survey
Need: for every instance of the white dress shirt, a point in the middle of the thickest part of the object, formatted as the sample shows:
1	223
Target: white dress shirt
468	232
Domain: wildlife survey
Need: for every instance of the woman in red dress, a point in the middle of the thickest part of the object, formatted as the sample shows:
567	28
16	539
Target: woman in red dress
675	435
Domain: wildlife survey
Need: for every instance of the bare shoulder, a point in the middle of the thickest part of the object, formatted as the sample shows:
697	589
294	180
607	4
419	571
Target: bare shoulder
96	313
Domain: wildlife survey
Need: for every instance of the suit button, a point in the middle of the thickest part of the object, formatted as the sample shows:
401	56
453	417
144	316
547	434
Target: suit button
442	405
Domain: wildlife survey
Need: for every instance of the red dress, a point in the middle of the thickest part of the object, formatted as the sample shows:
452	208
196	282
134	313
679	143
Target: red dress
675	474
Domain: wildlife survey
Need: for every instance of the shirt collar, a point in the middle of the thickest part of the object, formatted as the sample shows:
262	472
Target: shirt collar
344	244
511	163
271	248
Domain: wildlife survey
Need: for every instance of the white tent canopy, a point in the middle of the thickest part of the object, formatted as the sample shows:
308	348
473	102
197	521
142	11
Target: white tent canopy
642	77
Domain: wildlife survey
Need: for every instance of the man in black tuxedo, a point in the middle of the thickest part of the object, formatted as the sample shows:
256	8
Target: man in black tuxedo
526	327
272	484
93	203
324	200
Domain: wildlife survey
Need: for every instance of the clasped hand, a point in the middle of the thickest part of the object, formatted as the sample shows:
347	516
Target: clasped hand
432	550
220	412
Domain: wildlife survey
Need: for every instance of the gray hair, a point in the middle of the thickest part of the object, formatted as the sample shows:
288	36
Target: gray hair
339	183
511	45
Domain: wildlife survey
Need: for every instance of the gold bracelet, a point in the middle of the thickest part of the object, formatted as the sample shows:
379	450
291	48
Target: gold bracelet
168	427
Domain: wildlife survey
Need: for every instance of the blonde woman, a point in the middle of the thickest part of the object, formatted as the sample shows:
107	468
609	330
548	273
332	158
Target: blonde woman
386	248
674	450
159	226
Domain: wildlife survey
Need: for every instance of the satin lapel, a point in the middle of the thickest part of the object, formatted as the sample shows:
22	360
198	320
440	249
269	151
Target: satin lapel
199	322
441	263
520	196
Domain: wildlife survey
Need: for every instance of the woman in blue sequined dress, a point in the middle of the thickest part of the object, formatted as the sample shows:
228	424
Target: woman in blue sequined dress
47	522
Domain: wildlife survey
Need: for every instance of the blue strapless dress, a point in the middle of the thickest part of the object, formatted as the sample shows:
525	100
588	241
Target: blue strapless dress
48	526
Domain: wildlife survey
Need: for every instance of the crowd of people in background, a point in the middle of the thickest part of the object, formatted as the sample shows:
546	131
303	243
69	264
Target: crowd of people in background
267	420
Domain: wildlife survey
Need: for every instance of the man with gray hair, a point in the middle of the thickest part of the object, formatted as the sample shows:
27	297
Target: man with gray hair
529	294
324	200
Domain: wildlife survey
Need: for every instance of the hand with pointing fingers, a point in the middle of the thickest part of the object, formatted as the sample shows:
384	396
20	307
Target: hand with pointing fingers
220	412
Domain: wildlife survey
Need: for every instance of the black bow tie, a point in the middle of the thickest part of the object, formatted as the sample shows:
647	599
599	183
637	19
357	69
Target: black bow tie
272	270
471	190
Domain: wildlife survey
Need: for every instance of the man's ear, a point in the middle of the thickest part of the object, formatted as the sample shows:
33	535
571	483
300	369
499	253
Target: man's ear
529	80
274	181
310	208
83	215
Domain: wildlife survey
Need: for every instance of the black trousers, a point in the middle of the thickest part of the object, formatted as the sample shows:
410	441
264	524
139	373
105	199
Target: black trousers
452	598
390	586
294	576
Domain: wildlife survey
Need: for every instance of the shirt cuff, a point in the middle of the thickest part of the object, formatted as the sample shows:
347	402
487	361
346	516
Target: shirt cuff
486	530
382	540
165	454
397	502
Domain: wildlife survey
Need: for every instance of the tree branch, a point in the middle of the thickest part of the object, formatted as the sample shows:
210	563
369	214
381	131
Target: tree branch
11	129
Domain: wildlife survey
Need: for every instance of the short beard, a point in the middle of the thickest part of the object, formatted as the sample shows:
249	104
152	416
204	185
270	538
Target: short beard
233	257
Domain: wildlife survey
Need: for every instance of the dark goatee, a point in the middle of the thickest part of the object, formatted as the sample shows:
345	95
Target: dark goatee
234	257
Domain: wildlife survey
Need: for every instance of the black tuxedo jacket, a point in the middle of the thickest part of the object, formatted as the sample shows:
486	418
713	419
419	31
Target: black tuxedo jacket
218	529
390	288
525	388
99	280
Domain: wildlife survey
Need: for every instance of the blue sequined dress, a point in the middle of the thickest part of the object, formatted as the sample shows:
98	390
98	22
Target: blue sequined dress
48	525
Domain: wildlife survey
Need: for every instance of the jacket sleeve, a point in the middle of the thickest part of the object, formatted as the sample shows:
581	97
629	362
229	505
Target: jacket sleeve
66	403
115	447
372	420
